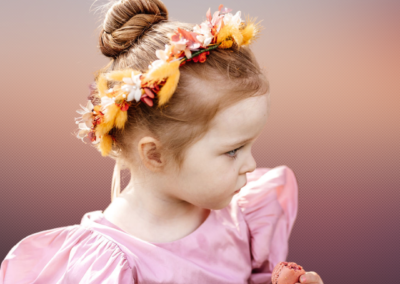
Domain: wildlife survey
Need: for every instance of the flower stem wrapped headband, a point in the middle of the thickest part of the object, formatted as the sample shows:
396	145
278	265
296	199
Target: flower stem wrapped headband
219	31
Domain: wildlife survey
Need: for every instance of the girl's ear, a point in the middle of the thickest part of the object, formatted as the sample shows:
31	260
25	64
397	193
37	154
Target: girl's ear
150	153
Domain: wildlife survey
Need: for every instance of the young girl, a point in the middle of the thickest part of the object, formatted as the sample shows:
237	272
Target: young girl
180	106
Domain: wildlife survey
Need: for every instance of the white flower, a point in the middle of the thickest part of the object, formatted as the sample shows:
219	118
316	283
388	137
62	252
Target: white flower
205	36
87	114
105	102
133	87
178	47
88	108
188	53
163	54
155	64
229	19
83	132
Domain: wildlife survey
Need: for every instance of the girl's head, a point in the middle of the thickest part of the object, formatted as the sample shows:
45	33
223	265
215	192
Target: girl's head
215	165
216	103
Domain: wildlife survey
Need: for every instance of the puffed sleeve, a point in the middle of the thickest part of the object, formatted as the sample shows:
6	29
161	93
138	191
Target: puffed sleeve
269	205
65	255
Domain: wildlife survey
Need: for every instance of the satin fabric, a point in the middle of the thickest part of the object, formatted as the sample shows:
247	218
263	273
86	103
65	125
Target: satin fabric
241	243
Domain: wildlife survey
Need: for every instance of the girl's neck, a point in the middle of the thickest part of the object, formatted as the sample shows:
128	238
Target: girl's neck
152	216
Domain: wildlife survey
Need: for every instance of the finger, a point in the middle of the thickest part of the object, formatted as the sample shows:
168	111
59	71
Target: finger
310	277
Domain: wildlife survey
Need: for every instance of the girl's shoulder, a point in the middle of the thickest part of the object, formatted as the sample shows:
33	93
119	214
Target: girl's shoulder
70	254
268	186
268	203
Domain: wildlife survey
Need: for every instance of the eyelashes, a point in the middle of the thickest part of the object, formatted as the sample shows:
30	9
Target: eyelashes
235	153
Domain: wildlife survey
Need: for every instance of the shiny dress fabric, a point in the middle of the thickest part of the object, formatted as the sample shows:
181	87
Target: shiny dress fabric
238	244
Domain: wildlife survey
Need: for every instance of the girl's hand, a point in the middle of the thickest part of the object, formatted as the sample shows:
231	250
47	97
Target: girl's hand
310	277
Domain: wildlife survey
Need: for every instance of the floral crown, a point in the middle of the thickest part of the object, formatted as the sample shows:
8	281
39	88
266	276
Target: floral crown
221	30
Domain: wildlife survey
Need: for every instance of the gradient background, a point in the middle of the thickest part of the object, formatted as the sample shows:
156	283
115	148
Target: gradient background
334	69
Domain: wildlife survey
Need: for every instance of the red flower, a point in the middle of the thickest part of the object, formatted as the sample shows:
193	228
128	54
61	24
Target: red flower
148	97
147	101
201	57
92	136
124	105
149	93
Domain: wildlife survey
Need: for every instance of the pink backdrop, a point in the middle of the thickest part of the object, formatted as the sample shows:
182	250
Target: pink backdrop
334	69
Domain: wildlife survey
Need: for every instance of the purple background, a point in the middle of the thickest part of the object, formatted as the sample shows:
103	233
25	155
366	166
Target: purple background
334	69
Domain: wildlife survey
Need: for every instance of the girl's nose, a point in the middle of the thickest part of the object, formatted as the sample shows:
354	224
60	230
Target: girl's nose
249	164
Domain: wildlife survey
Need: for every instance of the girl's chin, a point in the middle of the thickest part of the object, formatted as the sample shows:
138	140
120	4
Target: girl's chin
226	203
220	205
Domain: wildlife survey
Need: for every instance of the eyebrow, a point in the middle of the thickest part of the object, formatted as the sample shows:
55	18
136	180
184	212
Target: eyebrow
239	143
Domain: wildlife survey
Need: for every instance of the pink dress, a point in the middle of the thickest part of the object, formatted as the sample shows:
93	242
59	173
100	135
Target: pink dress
238	244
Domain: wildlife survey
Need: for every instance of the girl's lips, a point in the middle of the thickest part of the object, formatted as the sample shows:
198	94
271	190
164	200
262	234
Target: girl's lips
240	187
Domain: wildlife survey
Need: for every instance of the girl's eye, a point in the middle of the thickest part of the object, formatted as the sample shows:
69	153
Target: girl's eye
234	153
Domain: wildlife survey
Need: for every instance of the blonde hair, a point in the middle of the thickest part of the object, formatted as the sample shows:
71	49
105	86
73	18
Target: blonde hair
132	32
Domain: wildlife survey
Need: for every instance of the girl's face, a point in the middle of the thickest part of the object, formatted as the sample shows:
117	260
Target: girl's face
215	167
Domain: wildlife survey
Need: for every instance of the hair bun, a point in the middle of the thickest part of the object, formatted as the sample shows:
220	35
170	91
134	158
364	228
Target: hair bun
126	21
